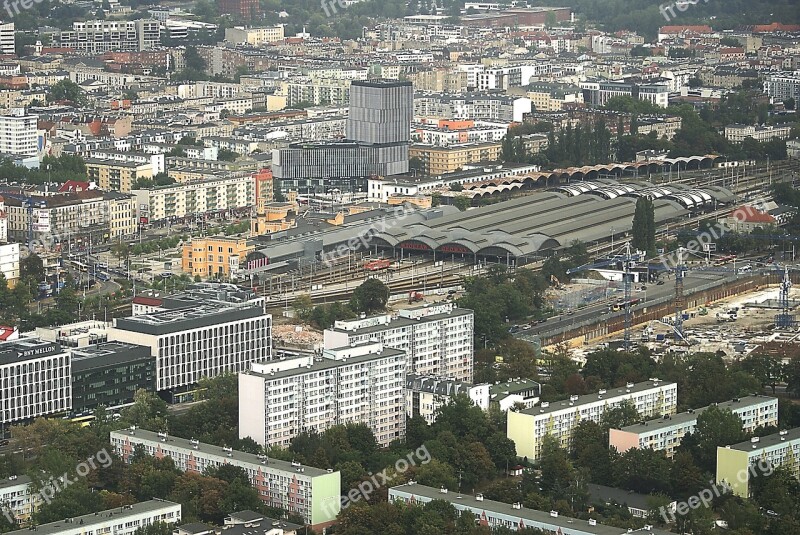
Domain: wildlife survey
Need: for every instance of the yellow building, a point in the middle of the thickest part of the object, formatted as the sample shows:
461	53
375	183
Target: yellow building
737	463
113	175
272	217
214	256
440	160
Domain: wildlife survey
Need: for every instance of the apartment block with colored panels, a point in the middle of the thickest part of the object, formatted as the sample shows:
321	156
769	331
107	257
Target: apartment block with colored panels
738	463
527	428
666	433
116	175
309	492
214	256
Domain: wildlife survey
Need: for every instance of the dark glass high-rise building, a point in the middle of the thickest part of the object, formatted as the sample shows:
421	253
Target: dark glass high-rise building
378	133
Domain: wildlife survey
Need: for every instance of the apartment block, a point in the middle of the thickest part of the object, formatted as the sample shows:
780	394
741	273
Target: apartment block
19	497
425	395
737	133
441	160
737	463
310	492
476	106
494	515
98	36
117	175
123	520
436	339
204	340
782	86
254	36
35	380
353	384
157	161
7	39
18	132
214	256
109	374
9	262
528	427
198	197
666	433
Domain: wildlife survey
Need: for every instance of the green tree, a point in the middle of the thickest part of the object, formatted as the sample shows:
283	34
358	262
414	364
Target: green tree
67	90
715	427
462	203
303	306
643	233
371	296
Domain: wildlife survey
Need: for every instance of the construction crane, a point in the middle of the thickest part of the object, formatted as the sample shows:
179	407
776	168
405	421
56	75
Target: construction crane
680	302
785	319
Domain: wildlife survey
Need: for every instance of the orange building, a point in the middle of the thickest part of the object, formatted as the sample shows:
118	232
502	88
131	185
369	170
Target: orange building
214	256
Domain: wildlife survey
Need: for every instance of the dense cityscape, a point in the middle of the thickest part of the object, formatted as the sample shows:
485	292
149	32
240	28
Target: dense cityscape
399	267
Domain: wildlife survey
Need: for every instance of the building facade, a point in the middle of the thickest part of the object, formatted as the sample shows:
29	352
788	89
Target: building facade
737	133
19	498
109	374
214	256
116	175
18	133
425	395
310	492
666	433
528	427
36	380
440	160
738	463
123	520
437	339
98	36
204	340
352	384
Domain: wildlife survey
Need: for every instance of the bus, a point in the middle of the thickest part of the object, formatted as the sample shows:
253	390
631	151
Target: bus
83	421
79	266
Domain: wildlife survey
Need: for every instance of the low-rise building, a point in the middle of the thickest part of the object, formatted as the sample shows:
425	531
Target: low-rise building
492	514
214	256
309	492
759	456
425	395
440	160
517	392
737	133
666	433
528	427
117	175
123	520
254	36
359	384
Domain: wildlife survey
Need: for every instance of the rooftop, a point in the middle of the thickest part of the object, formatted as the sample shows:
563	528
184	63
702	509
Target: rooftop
209	449
100	518
26	349
769	441
181	319
324	364
107	354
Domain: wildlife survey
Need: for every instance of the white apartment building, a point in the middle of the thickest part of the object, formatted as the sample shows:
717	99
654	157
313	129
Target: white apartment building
425	395
482	132
19	498
666	433
181	200
737	133
209	89
476	106
35	380
18	132
204	340
310	492
9	262
330	91
436	339
123	520
359	384
97	36
737	463
254	36
528	427
784	85
7	38
156	161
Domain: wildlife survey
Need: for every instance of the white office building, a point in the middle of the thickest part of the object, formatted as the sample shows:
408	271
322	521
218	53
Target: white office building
783	85
123	520
18	132
204	340
35	379
437	339
528	427
310	492
666	433
358	384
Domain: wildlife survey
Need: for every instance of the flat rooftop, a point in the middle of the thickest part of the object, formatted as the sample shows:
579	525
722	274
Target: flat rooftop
210	449
87	521
326	364
555	406
569	525
26	349
789	435
692	414
402	321
107	354
181	319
